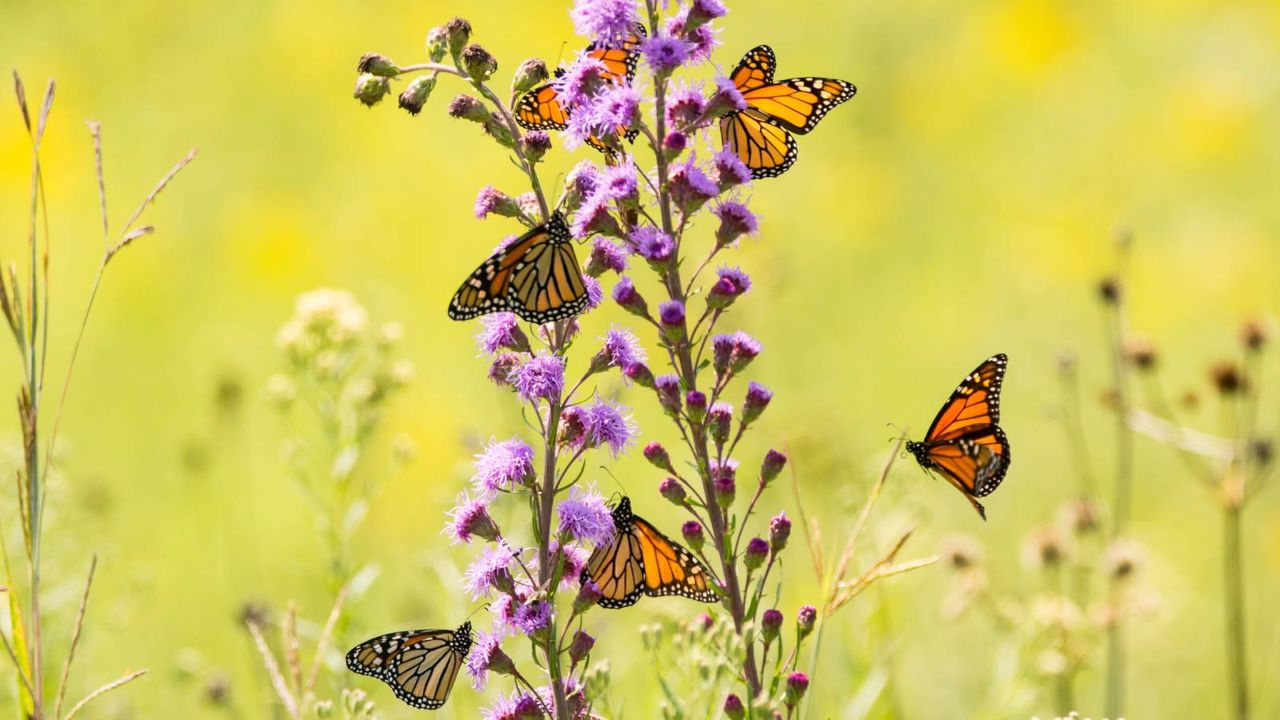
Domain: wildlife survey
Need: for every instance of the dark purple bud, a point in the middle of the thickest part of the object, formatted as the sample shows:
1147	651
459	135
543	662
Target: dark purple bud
690	188
478	63
625	294
457	32
502	367
732	283
415	95
706	622
671	315
773	463
757	552
745	349
672	490
535	144
696	405
588	594
725	486
720	418
640	374
770	624
465	107
605	256
733	707
779	532
531	72
674	143
805	619
581	645
657	456
370	89
797	683
692	532
758	397
721	353
701	12
376	64
668	389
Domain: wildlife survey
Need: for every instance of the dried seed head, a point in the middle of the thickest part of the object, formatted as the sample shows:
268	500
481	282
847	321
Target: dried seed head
478	63
1228	378
1081	516
961	552
1109	290
1044	548
1255	333
1140	352
1124	558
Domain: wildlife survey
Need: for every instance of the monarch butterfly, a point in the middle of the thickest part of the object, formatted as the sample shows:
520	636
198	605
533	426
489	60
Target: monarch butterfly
761	134
419	665
541	109
536	277
964	442
642	560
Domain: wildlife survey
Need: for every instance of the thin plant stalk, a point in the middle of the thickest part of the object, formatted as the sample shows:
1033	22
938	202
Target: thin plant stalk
1123	487
1233	577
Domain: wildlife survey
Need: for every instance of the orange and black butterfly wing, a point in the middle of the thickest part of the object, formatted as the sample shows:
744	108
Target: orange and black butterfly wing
419	666
623	60
755	69
765	148
618	570
670	569
975	464
974	405
799	104
541	109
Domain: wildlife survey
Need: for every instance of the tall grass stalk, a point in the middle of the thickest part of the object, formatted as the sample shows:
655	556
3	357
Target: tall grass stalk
28	319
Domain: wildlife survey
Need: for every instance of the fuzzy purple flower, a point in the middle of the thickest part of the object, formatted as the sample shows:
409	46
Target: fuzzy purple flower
595	293
486	656
621	349
758	398
605	256
594	218
582	81
685	105
491	570
542	378
607	425
779	532
502	466
585	517
690	188
736	220
671	313
731	283
605	21
519	706
726	98
730	170
619	182
501	331
665	53
652	244
616	107
583	179
700	12
625	294
470	518
533	617
573	560
501	368
492	201
702	38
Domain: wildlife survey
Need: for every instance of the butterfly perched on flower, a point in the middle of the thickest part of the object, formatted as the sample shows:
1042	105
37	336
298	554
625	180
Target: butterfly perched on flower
965	443
761	135
642	561
536	276
543	109
419	665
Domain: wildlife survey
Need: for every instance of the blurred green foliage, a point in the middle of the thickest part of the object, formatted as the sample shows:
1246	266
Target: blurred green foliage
962	204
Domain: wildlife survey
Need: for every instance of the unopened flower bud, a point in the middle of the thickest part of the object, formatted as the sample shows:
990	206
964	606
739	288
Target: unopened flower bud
370	89
416	94
770	624
672	490
725	487
758	398
733	708
437	43
640	374
671	316
532	72
495	128
805	619
696	405
668	389
580	647
757	553
457	32
465	107
692	532
657	456
673	144
797	684
779	532
375	64
478	63
720	417
626	295
535	144
588	595
773	463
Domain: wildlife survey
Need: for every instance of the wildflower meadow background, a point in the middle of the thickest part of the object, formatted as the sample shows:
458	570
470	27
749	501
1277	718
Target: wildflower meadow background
272	414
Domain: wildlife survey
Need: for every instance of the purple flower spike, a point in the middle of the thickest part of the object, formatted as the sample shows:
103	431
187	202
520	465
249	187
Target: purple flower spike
757	552
502	466
605	256
685	105
620	182
486	656
501	331
585	517
735	221
606	21
730	170
671	313
758	397
779	532
692	532
471	519
490	571
690	187
625	294
607	425
653	245
542	378
664	53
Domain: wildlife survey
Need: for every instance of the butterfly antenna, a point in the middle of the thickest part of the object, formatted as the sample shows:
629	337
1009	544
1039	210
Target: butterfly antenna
482	606
615	481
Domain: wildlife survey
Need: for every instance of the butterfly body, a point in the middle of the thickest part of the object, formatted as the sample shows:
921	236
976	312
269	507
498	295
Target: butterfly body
965	444
536	277
642	561
419	666
761	134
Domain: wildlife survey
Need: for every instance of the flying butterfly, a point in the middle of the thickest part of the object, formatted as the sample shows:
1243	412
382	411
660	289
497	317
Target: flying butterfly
536	277
419	665
642	561
761	135
541	109
965	443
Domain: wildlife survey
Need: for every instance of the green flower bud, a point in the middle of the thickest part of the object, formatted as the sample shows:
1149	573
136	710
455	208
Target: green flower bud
415	96
370	89
376	64
437	43
457	32
478	63
530	74
465	107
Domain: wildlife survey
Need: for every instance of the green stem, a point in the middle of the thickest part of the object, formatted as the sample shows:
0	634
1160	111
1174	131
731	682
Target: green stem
1233	576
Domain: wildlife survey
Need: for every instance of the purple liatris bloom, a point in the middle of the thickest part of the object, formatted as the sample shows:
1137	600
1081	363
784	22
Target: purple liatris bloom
542	378
700	12
594	218
735	221
581	82
486	656
585	517
758	398
619	182
665	53
621	349
607	21
730	170
595	293
685	105
671	313
615	108
626	295
607	425
757	552
583	180
573	560
797	683
533	617
770	624
779	532
702	38
471	519
520	706
492	201
690	187
490	571
652	244
501	331
502	466
725	99
605	256
501	368
731	283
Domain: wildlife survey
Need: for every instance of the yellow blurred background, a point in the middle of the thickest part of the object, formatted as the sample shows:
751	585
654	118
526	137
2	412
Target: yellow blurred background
963	204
